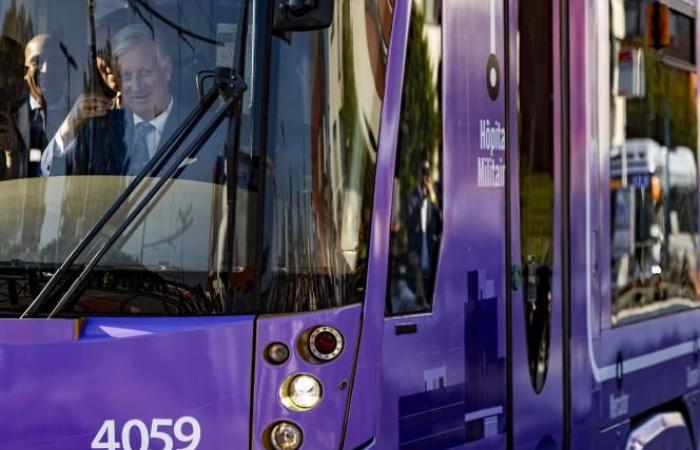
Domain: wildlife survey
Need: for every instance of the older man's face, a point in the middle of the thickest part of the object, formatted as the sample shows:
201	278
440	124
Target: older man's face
144	82
45	67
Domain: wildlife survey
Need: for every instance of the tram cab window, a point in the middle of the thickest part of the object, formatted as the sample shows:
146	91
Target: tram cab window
653	154
417	208
89	92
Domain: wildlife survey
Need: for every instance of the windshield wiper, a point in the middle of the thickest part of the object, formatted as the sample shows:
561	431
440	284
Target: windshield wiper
229	86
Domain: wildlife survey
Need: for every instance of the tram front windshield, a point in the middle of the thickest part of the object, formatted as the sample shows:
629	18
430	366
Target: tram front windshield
91	90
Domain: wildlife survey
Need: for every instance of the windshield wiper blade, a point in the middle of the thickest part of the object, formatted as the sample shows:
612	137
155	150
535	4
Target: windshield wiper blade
230	87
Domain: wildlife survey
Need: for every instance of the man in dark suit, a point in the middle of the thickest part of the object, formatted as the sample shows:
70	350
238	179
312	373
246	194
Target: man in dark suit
96	138
424	227
46	66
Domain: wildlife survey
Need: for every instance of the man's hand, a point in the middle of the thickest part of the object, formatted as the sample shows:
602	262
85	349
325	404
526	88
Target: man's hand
87	106
428	185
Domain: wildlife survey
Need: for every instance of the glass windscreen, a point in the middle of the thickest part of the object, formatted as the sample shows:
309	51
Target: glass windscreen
90	91
653	162
326	92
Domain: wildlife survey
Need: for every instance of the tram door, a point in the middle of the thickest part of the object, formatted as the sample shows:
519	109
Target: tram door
535	208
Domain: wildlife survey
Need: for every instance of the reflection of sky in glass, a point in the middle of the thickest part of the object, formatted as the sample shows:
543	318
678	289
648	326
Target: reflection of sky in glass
104	7
291	149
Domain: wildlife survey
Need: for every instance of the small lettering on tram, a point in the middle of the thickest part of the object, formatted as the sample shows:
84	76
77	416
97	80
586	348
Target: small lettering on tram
491	172
491	169
619	406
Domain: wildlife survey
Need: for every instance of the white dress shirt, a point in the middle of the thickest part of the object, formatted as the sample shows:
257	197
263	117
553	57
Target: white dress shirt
153	136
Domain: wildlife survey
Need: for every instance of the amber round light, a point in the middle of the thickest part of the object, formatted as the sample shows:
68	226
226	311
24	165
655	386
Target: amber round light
326	343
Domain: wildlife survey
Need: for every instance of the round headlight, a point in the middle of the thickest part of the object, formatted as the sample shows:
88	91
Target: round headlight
304	392
277	353
285	436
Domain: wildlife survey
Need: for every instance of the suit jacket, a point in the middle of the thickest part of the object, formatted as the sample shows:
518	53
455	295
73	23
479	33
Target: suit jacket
103	146
433	226
21	119
15	160
17	166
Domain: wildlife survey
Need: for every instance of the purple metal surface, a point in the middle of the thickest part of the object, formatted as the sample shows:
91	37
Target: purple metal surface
474	242
692	404
584	394
537	417
363	419
426	375
322	426
57	395
38	331
613	438
660	349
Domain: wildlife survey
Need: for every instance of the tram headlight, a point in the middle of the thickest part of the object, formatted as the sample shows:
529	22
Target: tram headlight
301	392
286	436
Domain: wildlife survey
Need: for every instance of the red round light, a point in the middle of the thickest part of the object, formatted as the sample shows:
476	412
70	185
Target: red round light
325	342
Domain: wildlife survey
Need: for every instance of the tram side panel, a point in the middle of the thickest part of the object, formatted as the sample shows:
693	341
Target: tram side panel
450	391
585	394
633	364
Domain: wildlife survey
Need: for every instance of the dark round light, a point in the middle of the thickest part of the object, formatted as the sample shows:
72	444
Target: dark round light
325	343
286	436
277	353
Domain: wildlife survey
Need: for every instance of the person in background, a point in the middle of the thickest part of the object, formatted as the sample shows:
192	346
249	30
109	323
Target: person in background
13	95
47	66
424	227
108	27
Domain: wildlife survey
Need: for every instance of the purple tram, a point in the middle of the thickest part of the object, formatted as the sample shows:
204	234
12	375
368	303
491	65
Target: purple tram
379	224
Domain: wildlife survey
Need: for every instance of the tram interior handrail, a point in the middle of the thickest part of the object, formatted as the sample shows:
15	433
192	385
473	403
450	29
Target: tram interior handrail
230	86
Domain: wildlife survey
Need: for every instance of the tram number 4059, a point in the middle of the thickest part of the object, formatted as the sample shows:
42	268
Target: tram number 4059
186	430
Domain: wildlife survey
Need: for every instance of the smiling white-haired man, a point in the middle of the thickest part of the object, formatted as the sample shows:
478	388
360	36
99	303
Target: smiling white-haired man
96	138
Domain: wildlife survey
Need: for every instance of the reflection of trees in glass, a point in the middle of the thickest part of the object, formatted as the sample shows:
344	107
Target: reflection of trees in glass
668	91
419	128
535	144
537	207
16	24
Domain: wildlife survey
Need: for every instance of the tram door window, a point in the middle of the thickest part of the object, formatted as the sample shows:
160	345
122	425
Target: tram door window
416	218
536	155
653	161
